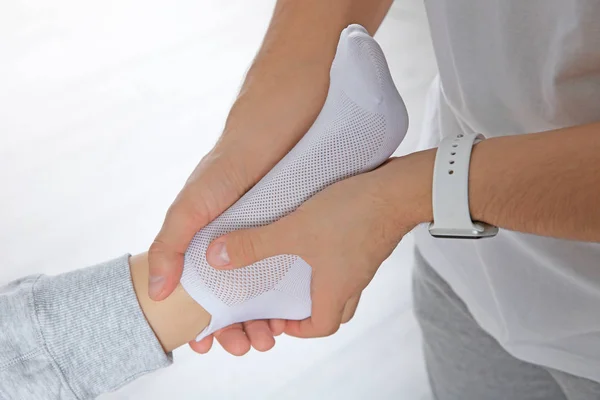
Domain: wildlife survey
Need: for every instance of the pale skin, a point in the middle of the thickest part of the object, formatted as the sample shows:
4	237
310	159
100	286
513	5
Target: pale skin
178	319
543	183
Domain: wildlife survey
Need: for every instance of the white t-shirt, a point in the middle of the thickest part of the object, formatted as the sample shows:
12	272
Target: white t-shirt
514	67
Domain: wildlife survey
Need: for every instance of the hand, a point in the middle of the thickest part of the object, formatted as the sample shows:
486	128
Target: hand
270	113
344	232
195	207
237	338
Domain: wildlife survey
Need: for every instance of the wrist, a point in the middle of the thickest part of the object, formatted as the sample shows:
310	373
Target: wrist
407	184
480	188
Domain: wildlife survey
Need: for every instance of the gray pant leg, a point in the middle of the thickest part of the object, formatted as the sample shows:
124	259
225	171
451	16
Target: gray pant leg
576	388
463	361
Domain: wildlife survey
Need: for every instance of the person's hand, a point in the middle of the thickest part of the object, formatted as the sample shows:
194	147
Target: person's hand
270	115
238	338
344	232
215	184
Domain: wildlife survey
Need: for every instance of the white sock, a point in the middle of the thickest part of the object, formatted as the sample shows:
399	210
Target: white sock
361	124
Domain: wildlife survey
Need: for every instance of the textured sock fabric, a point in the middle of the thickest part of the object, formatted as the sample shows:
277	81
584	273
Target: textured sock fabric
361	124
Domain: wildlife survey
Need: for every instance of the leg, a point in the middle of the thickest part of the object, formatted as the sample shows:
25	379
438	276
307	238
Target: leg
463	361
576	388
175	320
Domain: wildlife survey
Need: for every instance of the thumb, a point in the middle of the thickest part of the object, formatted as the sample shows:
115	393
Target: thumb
166	254
214	185
244	247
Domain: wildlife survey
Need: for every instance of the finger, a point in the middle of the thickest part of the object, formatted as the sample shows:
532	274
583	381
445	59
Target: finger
277	326
350	309
326	316
245	247
260	335
234	340
166	253
202	346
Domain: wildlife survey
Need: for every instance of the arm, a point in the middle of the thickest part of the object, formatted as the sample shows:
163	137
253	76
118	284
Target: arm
88	332
282	94
287	83
544	183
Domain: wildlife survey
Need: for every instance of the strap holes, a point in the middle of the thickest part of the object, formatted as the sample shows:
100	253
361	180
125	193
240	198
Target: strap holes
451	162
453	153
454	145
450	172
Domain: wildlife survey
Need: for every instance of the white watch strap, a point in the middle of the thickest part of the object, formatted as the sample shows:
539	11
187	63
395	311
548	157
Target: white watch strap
451	216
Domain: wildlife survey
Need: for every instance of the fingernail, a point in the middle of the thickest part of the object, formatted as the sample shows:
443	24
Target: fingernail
155	286
219	256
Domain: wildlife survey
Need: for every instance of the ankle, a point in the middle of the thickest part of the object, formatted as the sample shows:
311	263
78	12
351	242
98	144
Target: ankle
175	320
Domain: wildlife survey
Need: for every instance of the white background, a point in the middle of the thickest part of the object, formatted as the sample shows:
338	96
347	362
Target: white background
106	107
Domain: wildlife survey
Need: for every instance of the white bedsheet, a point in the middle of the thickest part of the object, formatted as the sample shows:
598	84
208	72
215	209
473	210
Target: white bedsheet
105	108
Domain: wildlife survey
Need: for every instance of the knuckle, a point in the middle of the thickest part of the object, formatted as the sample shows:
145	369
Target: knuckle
237	176
172	210
328	329
156	249
348	318
193	206
194	209
180	203
245	247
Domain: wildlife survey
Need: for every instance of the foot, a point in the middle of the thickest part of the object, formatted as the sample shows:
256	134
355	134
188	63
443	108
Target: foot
361	124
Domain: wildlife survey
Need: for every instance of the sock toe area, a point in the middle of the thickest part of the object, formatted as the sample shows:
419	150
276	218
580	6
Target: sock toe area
360	69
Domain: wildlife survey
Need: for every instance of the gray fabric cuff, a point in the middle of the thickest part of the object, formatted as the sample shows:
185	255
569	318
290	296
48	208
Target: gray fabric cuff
94	329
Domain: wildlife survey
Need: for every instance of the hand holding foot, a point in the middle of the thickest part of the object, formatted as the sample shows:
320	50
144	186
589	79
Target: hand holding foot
344	233
361	124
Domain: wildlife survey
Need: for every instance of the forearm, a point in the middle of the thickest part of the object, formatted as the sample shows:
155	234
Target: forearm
546	184
286	86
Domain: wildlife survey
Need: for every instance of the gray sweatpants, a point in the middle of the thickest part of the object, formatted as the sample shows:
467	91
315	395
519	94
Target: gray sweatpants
465	363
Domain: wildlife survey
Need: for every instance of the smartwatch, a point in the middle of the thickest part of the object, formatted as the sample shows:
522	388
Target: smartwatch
451	216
